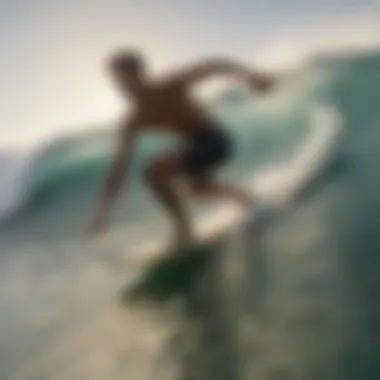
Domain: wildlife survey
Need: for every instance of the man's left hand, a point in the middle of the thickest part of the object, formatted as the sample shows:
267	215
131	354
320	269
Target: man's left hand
263	83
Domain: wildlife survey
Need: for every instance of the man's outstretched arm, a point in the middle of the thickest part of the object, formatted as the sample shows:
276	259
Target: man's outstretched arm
223	67
116	173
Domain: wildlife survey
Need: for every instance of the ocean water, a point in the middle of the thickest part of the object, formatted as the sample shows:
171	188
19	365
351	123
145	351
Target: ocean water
294	300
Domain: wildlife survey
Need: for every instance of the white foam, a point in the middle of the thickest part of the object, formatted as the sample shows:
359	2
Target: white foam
298	44
281	182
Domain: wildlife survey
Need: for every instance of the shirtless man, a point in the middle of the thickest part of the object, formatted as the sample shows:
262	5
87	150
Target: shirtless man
166	106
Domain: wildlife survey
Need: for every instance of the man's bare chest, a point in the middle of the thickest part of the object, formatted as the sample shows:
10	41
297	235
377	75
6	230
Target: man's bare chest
163	108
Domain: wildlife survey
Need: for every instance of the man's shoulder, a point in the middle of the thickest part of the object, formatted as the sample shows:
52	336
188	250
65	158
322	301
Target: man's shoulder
168	82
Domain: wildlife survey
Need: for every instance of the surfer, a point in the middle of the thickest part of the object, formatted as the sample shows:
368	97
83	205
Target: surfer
166	105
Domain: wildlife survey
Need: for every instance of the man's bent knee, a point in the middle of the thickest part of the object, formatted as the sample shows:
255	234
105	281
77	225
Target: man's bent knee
160	169
151	173
197	186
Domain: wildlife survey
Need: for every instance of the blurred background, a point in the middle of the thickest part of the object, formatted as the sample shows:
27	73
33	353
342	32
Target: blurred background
305	305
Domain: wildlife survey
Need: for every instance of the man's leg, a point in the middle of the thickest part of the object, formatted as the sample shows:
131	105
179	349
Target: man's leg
160	176
209	187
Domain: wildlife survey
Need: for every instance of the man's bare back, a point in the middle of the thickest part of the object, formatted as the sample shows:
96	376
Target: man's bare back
166	106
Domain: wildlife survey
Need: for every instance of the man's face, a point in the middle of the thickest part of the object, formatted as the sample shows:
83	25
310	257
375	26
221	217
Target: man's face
127	79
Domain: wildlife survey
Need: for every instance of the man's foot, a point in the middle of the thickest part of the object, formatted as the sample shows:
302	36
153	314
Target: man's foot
259	209
256	212
182	240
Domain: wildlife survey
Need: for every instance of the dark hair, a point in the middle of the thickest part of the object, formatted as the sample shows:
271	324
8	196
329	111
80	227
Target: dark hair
126	59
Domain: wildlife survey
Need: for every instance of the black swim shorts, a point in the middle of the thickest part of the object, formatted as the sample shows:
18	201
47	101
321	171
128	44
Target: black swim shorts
207	151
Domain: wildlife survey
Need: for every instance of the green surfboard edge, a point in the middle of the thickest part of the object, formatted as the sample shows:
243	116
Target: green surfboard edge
172	275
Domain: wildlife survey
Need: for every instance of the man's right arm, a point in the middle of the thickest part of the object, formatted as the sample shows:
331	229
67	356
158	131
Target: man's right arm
116	173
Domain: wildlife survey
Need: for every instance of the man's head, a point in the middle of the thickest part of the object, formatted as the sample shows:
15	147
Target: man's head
128	69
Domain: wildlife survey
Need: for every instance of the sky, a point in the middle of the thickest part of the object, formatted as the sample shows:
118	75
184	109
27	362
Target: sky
52	77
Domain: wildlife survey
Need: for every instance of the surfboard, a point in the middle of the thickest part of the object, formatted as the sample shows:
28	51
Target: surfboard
174	272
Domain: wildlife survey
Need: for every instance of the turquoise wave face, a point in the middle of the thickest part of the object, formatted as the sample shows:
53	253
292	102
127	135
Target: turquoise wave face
64	176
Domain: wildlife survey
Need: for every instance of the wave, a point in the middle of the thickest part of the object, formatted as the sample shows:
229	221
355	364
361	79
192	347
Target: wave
323	115
268	131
